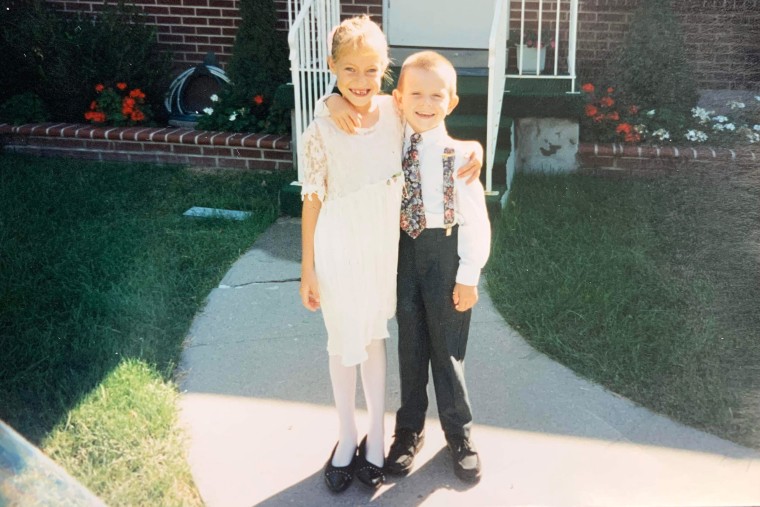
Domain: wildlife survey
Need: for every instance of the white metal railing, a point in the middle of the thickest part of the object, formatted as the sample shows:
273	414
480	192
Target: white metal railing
310	24
497	71
568	25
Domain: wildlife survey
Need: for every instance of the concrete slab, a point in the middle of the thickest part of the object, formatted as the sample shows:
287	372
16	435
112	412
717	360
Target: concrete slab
257	406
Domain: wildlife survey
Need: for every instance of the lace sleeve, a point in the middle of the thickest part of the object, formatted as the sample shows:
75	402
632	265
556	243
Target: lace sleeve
315	159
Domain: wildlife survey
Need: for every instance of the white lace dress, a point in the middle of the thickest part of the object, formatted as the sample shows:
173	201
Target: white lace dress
359	181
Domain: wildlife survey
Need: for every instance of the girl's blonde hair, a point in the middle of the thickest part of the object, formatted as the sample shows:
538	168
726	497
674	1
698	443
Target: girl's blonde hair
356	32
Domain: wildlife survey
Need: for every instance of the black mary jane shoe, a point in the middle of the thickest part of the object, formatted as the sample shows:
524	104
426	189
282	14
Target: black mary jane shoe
338	479
368	473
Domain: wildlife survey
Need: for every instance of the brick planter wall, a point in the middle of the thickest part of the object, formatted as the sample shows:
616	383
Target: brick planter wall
154	145
268	152
626	159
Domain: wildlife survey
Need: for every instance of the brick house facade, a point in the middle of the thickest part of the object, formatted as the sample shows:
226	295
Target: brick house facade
723	36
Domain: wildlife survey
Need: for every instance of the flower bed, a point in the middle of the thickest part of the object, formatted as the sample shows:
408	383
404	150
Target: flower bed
168	145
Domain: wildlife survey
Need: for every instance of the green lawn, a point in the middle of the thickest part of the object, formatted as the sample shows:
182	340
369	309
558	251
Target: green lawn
100	277
650	287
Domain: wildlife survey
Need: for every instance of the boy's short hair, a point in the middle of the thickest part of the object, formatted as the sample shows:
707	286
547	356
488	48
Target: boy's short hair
432	61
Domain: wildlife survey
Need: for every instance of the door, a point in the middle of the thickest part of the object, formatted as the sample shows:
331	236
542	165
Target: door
452	24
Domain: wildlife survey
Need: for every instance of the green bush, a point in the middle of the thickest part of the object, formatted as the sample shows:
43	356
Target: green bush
66	56
652	67
258	66
23	108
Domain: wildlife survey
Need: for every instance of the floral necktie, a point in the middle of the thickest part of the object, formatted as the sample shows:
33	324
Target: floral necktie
448	187
412	210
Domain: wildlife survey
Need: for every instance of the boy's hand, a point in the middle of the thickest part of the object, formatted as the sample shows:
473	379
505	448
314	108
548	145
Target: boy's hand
465	297
471	169
341	112
309	290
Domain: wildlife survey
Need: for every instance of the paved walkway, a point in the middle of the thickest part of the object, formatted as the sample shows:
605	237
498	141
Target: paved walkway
257	404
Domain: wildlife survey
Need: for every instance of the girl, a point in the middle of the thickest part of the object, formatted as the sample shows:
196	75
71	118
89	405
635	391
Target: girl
350	232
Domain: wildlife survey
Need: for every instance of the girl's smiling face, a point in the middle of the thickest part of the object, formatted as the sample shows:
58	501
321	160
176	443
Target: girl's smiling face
360	72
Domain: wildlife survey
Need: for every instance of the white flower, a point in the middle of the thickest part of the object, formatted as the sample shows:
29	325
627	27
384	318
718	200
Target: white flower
651	112
696	135
702	114
756	128
661	134
233	116
721	118
757	98
718	127
208	110
730	126
734	104
641	129
753	137
214	98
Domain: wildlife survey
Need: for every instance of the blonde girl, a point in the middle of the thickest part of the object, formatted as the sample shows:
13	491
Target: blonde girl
350	231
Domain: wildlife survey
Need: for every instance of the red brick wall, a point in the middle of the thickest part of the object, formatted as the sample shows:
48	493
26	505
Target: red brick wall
191	28
723	36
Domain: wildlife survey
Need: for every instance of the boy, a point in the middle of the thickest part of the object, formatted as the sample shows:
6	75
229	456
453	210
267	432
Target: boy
445	242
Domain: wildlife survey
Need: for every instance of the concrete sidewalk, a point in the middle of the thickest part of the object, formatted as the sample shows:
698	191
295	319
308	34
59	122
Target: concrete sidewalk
257	404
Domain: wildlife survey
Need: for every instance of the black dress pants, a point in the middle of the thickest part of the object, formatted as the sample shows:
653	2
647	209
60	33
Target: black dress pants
432	333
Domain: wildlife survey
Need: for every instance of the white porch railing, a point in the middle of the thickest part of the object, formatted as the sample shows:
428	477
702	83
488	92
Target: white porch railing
310	24
568	25
497	70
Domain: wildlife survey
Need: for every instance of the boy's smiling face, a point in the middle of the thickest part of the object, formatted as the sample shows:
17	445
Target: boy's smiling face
424	97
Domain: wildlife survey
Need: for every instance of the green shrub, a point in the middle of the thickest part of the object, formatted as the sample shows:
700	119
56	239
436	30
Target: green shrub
66	56
258	66
652	67
23	108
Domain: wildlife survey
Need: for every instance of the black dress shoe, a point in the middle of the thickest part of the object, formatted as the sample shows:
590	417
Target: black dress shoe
339	478
466	459
370	474
406	444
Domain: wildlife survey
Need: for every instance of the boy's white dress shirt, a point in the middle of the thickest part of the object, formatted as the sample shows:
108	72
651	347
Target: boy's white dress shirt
474	242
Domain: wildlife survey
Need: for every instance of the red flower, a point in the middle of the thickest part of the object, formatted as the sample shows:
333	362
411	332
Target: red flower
127	106
258	100
95	116
93	105
99	87
610	89
121	86
137	116
614	116
591	110
624	128
607	101
633	110
598	118
137	94
588	88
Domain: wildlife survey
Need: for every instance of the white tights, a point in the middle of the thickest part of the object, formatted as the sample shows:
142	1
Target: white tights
344	391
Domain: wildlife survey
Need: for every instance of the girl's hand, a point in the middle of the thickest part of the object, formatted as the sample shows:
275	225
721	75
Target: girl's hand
464	297
309	290
471	169
341	112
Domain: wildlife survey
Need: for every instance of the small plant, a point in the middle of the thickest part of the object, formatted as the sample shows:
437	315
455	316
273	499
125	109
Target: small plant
226	114
23	108
530	38
607	118
117	106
